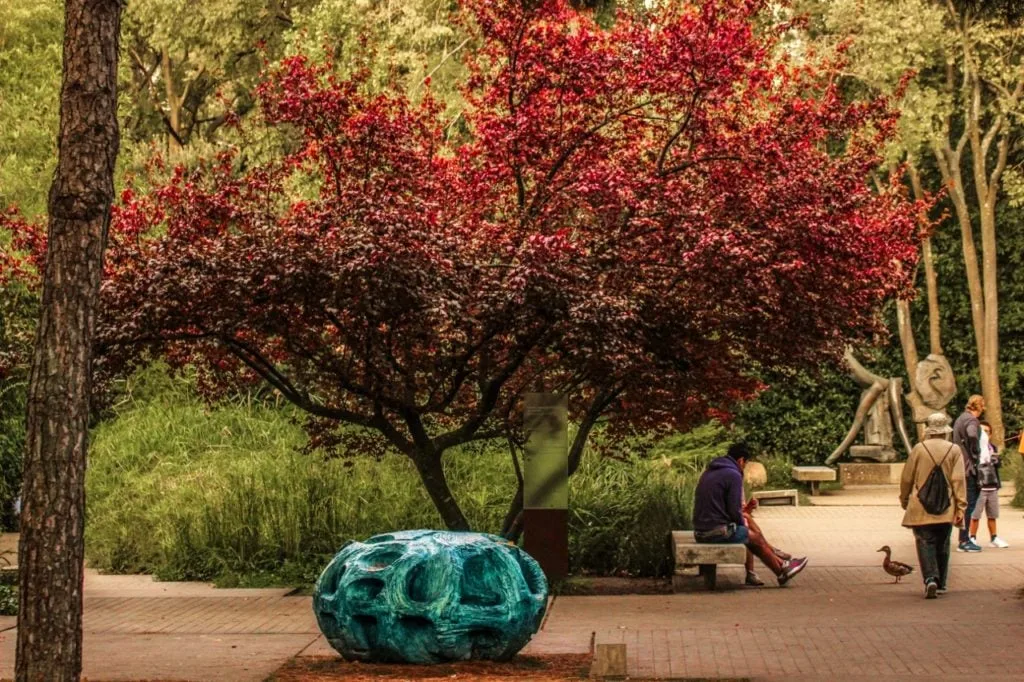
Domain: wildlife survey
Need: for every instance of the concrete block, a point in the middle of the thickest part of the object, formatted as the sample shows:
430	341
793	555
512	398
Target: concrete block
609	661
855	473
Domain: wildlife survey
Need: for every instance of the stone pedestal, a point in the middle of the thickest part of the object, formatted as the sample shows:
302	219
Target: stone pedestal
873	453
855	473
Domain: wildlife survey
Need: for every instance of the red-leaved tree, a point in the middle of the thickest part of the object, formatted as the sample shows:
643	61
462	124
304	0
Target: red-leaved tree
638	217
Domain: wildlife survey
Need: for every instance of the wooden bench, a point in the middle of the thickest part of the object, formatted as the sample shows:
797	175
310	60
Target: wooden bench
813	475
693	558
772	497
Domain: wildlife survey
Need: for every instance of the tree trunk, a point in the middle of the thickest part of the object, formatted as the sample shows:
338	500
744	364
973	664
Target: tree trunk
51	548
930	278
906	330
174	103
990	356
431	473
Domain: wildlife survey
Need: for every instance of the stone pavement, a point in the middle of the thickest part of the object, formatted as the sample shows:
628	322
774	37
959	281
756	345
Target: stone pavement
138	629
843	618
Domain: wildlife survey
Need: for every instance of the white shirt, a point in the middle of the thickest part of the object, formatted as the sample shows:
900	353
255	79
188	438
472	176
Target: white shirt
986	449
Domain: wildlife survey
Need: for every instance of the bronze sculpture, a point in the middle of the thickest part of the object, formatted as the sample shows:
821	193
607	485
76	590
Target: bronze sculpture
880	410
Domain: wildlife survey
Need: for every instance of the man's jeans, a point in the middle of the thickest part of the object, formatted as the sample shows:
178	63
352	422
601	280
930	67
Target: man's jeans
973	493
933	551
756	544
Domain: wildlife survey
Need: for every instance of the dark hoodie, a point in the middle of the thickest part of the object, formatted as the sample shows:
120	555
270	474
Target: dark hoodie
719	496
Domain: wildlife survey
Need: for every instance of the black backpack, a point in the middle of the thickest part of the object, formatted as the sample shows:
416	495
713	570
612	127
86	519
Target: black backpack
934	494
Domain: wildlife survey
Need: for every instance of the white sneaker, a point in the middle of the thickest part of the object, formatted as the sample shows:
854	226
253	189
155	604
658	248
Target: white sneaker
999	542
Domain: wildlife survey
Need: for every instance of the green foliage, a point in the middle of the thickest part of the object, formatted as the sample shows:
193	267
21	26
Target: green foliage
801	417
8	600
621	514
399	42
190	492
30	64
8	588
17	318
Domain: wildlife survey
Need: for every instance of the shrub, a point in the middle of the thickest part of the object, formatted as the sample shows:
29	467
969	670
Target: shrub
189	492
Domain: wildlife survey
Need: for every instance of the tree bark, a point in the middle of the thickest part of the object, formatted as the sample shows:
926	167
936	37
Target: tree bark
431	473
930	277
51	549
174	102
906	330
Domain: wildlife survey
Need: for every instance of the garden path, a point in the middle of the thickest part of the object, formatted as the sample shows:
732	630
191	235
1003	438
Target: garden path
841	619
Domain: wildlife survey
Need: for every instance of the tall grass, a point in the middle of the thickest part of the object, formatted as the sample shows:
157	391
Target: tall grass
186	491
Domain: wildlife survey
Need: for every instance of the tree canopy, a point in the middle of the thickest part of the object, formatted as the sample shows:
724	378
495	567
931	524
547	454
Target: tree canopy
638	216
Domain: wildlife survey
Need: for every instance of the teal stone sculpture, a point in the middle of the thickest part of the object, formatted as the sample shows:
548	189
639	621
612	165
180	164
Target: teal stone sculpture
426	596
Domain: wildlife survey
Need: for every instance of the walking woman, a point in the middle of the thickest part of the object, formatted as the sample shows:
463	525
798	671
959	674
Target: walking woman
932	519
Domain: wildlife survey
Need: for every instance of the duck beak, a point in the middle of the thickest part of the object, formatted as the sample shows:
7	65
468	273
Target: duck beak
880	550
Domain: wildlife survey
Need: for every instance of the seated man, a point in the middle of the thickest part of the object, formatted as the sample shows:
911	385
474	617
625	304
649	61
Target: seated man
718	516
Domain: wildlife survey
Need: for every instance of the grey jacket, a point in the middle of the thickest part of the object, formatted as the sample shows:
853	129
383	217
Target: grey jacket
966	431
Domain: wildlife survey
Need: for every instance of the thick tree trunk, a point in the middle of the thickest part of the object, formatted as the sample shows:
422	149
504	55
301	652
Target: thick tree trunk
431	473
49	644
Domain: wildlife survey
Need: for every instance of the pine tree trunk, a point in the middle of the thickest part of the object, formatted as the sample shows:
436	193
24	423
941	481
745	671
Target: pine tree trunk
49	644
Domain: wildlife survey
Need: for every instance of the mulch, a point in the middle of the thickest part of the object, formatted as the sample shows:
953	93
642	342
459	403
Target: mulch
611	585
555	668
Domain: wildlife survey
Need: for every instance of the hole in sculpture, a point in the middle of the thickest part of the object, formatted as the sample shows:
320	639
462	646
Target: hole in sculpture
381	557
328	623
416	626
365	588
331	584
425	581
480	581
418	635
364	630
485	642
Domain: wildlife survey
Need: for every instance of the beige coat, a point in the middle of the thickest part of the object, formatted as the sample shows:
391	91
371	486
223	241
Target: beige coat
915	473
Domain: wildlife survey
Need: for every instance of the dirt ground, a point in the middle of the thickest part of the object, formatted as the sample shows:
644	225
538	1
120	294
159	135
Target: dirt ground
609	585
540	668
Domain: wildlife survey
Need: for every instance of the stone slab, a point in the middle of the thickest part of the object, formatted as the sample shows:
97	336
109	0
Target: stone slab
814	473
857	473
774	497
688	552
875	453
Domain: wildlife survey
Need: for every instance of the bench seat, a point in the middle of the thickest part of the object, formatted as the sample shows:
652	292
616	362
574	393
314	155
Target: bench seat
705	558
813	475
770	497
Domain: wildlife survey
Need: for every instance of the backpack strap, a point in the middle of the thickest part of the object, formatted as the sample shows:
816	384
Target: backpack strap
932	457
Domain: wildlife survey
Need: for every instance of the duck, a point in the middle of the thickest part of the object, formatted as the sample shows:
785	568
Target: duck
894	568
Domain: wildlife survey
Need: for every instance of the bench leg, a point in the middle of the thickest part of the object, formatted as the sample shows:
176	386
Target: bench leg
814	488
710	574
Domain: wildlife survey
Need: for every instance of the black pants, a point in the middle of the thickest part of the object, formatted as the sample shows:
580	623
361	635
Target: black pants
973	493
933	551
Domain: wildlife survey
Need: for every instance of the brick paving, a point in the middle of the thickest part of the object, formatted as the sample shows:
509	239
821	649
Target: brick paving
841	619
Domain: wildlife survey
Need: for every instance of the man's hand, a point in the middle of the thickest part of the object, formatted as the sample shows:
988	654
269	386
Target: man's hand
958	520
751	505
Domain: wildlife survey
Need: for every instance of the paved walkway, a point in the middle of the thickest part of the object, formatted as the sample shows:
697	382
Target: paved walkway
843	618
